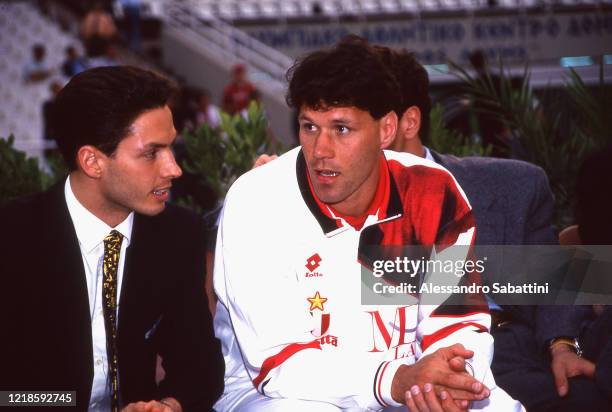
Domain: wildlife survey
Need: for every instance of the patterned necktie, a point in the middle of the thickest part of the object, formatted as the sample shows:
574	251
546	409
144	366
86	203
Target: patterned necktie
112	247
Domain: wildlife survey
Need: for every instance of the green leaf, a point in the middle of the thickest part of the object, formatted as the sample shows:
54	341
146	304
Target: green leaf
20	175
556	136
444	140
219	156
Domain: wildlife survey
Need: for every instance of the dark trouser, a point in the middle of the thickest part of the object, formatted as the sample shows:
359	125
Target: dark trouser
597	344
524	371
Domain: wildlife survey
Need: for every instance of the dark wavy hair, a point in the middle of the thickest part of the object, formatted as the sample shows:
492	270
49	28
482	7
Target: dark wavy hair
98	107
413	81
349	74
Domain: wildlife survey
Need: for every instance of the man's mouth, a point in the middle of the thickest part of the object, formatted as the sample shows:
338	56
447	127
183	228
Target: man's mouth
327	173
161	192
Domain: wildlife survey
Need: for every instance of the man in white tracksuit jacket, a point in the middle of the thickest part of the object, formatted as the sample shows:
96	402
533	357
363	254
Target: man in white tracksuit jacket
294	238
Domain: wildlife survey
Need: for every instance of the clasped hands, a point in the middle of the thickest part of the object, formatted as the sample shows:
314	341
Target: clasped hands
438	382
164	405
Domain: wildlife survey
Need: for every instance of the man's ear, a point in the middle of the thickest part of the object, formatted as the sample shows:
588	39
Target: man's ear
91	161
388	128
410	123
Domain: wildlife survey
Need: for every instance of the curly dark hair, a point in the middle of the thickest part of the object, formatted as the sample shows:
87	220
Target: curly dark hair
349	74
413	81
98	107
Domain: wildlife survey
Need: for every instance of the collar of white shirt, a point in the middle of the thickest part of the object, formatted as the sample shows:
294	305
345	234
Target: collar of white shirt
90	230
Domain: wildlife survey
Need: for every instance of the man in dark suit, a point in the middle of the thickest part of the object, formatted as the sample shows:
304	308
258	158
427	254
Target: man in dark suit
512	205
98	275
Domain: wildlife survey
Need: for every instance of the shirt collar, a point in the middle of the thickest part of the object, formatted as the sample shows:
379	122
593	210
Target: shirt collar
90	230
378	206
428	155
387	204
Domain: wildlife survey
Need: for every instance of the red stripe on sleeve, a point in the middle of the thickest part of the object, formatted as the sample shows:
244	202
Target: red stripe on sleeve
429	340
276	360
378	387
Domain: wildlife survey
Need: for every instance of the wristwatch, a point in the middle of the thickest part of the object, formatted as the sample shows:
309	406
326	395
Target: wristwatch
563	340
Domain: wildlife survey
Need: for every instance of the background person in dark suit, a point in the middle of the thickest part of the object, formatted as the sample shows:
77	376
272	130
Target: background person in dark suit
512	205
59	262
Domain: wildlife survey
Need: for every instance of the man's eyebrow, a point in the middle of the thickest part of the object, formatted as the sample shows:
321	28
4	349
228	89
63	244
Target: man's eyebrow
304	117
155	146
342	120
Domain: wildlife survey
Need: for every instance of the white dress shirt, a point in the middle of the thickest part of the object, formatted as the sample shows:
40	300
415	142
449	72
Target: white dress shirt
91	232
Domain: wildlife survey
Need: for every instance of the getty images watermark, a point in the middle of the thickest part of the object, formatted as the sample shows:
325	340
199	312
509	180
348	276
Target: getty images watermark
513	275
457	268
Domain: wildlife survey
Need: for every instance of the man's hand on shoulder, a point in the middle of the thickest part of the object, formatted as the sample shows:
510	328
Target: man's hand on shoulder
567	364
164	405
263	159
445	371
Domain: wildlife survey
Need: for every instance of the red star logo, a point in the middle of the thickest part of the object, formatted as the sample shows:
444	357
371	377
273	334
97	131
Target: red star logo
316	302
313	262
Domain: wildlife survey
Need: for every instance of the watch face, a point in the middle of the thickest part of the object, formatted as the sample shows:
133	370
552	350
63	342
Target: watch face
577	347
571	342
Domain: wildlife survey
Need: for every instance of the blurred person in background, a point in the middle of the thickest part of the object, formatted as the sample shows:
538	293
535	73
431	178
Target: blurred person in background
98	23
100	53
73	64
47	110
237	94
37	69
131	13
206	111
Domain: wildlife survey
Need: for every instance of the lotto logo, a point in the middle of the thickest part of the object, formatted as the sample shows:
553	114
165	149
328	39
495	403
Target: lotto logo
313	262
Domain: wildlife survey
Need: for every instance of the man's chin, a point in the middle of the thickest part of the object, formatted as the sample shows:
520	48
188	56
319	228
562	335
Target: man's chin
151	210
327	197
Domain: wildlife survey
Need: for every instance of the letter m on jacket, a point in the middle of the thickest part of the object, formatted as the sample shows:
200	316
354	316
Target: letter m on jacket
392	336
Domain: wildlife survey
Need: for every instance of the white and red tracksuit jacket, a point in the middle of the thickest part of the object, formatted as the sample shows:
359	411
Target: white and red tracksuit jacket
287	275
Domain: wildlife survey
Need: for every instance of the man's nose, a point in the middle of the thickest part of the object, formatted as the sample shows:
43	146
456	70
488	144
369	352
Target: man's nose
171	169
323	146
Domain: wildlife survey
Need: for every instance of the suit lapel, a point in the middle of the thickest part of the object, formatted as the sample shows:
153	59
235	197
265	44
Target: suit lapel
136	263
70	288
140	308
140	280
129	271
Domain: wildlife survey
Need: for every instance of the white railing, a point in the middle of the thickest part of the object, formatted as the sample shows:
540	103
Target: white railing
232	42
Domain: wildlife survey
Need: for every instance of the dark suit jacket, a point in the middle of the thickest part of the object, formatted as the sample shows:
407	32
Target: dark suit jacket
511	199
513	205
46	341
